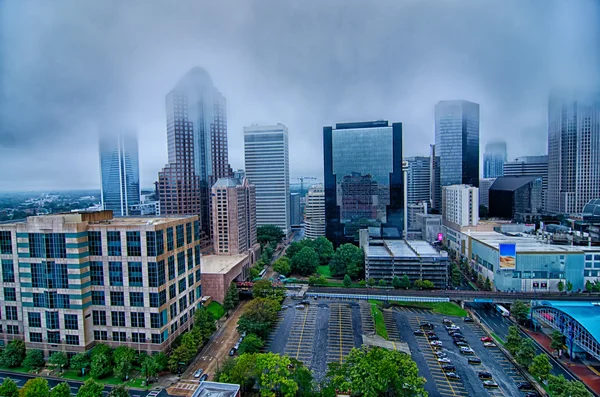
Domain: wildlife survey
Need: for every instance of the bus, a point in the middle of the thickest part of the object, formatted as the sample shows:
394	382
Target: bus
502	310
262	273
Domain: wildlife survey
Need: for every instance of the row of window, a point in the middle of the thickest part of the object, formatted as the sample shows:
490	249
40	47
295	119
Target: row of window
71	322
53	337
118	319
5	242
136	299
136	337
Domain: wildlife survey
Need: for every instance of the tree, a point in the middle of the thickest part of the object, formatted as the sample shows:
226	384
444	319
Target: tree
162	361
13	354
396	283
58	360
149	368
455	275
119	391
418	283
275	374
428	284
36	387
61	390
269	234
488	284
382	282
405	282
519	311
526	352
282	266
348	259
101	348
9	388
371	282
296	246
80	362
577	389
347	281
90	388
556	340
323	248
101	366
373	372
259	317
265	289
123	357
569	286
540	366
251	344
480	280
560	286
557	385
205	323
305	262
228	302
34	359
513	340
267	254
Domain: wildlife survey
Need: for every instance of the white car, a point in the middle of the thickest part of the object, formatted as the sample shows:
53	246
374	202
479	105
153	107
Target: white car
466	350
489	344
435	343
198	373
445	360
301	307
440	354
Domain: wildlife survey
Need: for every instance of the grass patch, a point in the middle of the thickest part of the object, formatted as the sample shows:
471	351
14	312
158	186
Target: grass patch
216	309
22	370
445	308
324	271
378	320
497	339
133	381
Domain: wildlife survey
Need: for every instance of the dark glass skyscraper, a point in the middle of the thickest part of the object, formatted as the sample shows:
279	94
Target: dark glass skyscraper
457	142
119	172
363	179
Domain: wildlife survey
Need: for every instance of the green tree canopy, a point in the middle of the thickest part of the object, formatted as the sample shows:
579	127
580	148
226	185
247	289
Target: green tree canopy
13	354
526	352
269	234
569	286
79	362
347	281
560	286
102	348
101	366
348	259
540	366
9	388
123	356
91	388
396	283
232	298
513	340
205	323
296	247
119	391
519	310
34	359
149	368
251	344
560	387
382	282
259	317
428	284
61	390
58	360
371	282
323	248
282	266
405	282
305	262
36	387
487	284
161	360
556	340
263	289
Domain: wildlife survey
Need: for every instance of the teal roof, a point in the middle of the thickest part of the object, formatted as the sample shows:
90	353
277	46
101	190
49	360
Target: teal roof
585	313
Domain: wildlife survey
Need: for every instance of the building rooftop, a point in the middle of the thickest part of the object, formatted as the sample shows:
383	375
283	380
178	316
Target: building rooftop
227	182
99	218
401	249
512	183
523	243
585	313
220	264
216	389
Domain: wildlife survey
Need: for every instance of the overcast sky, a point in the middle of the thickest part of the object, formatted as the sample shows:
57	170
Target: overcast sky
72	69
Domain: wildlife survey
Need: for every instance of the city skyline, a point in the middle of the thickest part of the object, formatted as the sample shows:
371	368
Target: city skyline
132	77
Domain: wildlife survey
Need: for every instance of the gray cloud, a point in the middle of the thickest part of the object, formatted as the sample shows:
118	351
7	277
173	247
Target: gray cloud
68	69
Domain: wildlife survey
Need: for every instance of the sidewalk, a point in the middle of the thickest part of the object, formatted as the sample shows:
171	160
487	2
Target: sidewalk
582	371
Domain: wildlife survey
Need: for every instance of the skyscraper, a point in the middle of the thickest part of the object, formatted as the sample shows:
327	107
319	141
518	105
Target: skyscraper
197	147
494	159
435	183
295	211
484	191
267	167
457	142
363	179
461	205
530	166
119	172
418	179
573	151
315	212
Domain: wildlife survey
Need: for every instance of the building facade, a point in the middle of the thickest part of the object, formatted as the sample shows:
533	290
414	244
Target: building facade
435	184
457	142
430	226
418	179
233	216
119	172
461	205
493	159
484	191
516	197
363	179
71	281
412	210
295	209
573	151
530	166
267	166
314	225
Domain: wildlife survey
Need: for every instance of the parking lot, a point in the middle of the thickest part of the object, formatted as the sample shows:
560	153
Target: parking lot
340	335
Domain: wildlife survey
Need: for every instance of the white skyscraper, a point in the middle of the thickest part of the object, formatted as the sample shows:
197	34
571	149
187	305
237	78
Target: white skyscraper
315	212
461	204
267	167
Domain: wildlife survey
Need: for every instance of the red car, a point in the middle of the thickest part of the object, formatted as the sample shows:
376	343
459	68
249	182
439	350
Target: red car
486	339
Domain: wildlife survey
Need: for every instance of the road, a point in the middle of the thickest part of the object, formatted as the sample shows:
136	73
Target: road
297	235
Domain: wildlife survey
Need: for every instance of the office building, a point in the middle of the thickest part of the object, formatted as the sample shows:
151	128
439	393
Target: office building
314	225
197	148
484	191
457	142
516	197
494	159
460	205
435	184
267	167
418	180
239	174
573	151
430	226
363	179
412	210
295	210
119	172
71	281
530	166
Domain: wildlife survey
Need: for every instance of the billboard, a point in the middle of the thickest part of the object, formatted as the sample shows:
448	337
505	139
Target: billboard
508	256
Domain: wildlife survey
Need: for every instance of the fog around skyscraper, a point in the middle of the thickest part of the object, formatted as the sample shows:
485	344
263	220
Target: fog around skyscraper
69	65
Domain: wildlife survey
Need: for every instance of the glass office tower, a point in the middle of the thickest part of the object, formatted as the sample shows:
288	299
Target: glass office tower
363	179
494	159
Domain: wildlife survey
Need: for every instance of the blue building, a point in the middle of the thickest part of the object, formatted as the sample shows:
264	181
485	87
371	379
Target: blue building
494	159
119	172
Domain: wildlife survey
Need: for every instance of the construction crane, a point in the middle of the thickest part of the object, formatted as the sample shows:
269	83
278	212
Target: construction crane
301	179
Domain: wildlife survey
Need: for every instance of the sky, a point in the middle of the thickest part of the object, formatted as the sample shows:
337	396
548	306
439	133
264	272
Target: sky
73	69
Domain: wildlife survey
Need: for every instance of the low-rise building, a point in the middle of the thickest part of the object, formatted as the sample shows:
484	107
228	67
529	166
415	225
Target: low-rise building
412	211
460	205
517	198
217	389
218	271
430	226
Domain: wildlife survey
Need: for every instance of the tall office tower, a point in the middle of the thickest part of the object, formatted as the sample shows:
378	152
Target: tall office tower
92	278
484	191
233	216
315	212
267	167
573	151
457	142
530	166
494	159
435	182
461	205
363	179
418	179
197	147
119	172
295	212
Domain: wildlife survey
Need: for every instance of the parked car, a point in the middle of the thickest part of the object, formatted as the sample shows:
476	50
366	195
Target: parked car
244	334
435	343
236	346
285	306
426	326
447	321
468	320
305	302
452	376
449	367
429	333
490	383
484	375
418	332
198	373
300	307
474	360
232	352
455	333
466	350
489	344
452	327
461	343
203	377
434	337
445	360
486	339
459	339
440	354
524	386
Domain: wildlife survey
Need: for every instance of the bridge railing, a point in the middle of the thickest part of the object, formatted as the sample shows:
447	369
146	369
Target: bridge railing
394	298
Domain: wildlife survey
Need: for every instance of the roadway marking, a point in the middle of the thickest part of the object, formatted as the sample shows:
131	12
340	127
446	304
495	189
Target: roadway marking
340	321
301	334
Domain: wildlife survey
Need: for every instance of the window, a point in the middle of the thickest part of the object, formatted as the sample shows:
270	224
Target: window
196	230
119	336
39	300
154	276
196	256
182	303
180	263
155	320
134	245
113	240
182	285
72	339
191	296
47	245
35	337
174	327
135	274
53	337
157	338
138	320
95	243
188	233
98	298
71	321
173	310
588	257
170	245
100	335
10	294
8	271
191	280
115	273
183	319
597	257
136	299
160	243
5	242
12	329
117	298
99	317
138	337
190	258
150	244
52	320
96	273
172	291
153	299
49	275
162	297
11	313
34	320
171	261
588	265
117	319
180	240
198	275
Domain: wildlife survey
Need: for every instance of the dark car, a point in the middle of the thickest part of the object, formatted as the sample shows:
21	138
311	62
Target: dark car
484	375
418	332
305	302
455	334
468	320
459	339
203	378
490	383
474	360
433	337
449	367
426	326
429	333
524	386
232	352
